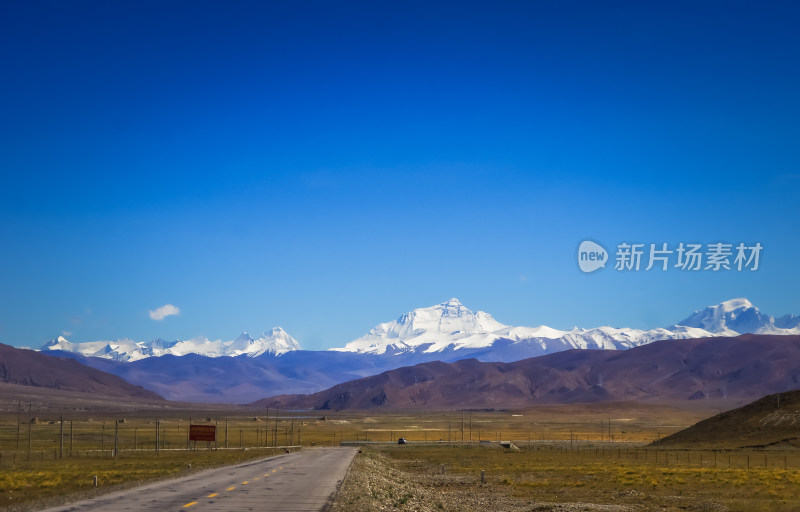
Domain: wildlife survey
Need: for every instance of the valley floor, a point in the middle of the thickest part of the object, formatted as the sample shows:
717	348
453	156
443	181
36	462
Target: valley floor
411	478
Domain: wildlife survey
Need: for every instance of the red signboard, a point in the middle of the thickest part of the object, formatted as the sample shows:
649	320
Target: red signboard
203	433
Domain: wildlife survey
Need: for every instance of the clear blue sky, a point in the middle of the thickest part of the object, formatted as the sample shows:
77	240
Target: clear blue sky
325	166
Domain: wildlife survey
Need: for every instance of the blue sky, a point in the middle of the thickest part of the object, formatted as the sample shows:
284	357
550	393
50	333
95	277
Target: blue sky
325	166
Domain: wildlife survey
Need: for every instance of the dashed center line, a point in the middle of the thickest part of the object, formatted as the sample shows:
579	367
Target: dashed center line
266	474
212	495
190	504
231	488
245	482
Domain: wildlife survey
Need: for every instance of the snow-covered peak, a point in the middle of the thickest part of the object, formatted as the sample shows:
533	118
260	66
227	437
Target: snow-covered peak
243	337
433	326
452	326
448	317
734	304
275	341
735	316
59	343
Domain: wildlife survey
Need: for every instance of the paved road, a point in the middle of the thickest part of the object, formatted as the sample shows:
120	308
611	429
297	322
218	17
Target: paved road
301	481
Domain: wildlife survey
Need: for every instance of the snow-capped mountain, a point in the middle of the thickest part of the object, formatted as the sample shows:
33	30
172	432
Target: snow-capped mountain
450	331
450	326
446	332
436	327
276	341
739	316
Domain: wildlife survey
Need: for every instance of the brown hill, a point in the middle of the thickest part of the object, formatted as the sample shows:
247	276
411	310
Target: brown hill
30	368
734	369
772	421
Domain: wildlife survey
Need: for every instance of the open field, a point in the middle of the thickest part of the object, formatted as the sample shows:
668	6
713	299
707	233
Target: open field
54	448
31	431
558	477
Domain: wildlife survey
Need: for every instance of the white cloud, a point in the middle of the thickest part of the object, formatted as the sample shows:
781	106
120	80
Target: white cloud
164	311
66	333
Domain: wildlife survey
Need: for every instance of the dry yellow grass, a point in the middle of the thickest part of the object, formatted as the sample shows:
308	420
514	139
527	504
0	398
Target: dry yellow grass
38	482
559	480
89	440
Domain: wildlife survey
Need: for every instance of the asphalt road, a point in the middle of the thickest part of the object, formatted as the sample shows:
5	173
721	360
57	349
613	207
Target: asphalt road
302	481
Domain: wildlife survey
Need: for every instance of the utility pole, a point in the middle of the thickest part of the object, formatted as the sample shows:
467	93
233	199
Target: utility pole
30	420
19	414
61	439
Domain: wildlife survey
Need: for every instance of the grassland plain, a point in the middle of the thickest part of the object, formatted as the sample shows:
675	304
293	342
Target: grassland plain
35	484
557	478
53	449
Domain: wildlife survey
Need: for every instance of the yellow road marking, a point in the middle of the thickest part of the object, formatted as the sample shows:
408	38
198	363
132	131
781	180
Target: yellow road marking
274	470
281	467
212	495
231	488
257	478
190	504
244	483
266	474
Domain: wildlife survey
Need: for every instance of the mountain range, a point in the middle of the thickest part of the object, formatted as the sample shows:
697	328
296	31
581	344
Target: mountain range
452	327
276	341
29	368
274	364
732	369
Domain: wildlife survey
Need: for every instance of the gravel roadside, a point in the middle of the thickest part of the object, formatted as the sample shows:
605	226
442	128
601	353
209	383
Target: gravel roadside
377	483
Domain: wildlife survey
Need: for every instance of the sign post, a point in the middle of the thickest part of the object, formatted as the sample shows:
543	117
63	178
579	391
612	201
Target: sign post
206	433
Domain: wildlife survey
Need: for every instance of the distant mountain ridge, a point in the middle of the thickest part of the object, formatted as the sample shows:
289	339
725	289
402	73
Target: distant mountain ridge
29	368
449	330
276	341
733	369
739	316
452	326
